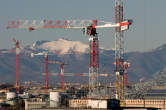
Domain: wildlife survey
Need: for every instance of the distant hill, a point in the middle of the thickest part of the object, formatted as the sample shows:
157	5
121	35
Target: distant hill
143	64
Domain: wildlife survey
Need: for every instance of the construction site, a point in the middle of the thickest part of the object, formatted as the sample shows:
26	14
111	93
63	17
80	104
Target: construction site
118	95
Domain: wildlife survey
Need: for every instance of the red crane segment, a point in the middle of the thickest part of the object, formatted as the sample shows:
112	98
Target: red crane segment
93	59
46	71
62	71
62	80
17	51
46	67
17	65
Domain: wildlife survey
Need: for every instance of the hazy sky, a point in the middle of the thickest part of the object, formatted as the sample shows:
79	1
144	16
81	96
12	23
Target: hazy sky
147	32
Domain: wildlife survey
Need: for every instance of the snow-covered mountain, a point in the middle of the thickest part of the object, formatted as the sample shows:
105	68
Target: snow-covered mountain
161	48
143	64
60	46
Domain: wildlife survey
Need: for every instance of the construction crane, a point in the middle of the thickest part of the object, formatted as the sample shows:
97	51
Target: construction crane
17	51
119	51
46	71
62	71
45	54
17	65
89	28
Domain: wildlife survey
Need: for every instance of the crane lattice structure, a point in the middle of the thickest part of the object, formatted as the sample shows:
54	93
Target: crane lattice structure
120	68
89	28
93	60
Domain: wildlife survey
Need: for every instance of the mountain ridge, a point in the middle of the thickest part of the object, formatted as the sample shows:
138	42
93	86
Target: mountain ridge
143	64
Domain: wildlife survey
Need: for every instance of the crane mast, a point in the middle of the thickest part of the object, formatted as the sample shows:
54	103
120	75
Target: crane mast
61	71
93	59
46	71
62	80
17	65
119	51
45	54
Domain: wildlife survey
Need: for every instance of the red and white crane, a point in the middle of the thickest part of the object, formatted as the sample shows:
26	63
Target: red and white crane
120	65
45	54
89	28
18	50
62	71
46	71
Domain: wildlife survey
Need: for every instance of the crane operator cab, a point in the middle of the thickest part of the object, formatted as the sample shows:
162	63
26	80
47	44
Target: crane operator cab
89	30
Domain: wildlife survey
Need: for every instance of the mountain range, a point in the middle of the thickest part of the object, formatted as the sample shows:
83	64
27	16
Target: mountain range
144	65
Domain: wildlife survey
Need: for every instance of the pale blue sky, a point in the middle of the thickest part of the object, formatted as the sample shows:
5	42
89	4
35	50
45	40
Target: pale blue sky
146	33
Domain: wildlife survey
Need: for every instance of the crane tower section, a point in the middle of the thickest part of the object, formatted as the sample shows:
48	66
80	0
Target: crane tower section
45	54
17	65
119	51
93	59
46	71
